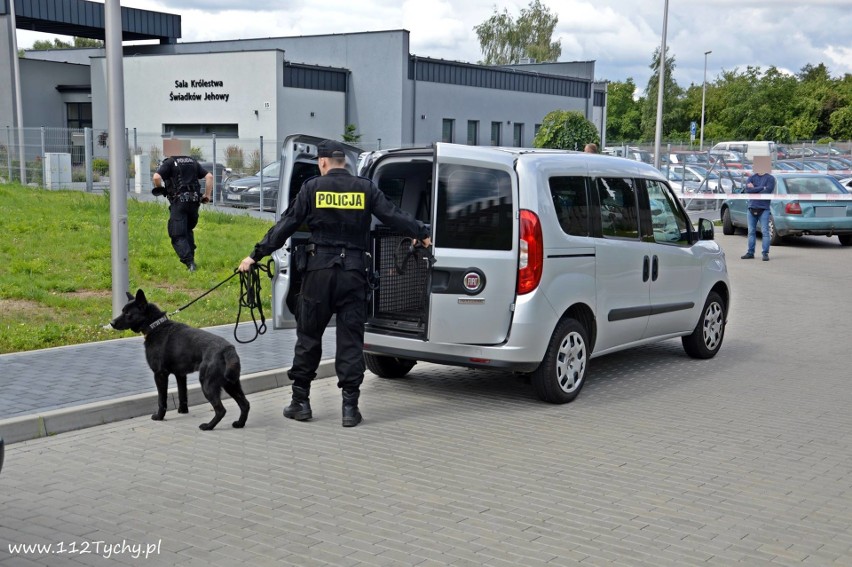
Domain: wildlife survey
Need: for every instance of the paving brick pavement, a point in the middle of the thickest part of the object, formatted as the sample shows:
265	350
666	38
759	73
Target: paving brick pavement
662	460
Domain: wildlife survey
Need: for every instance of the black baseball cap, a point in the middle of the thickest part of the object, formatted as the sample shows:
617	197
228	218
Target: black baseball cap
330	149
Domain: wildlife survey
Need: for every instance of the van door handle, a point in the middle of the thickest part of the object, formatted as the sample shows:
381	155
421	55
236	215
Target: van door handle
645	268
655	269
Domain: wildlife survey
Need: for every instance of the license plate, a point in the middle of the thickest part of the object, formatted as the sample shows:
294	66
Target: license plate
232	197
823	212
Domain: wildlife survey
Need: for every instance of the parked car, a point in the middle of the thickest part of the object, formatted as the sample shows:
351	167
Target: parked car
540	261
794	216
710	180
246	191
730	159
220	176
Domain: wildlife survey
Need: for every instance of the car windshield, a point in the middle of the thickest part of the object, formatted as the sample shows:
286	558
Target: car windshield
809	185
270	170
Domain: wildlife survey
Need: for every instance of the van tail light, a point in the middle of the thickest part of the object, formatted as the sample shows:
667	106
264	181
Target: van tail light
793	208
531	261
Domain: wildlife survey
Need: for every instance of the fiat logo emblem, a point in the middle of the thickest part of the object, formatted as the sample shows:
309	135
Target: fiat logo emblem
472	281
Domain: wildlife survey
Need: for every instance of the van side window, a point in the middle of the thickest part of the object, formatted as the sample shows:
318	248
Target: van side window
474	208
669	226
619	211
571	202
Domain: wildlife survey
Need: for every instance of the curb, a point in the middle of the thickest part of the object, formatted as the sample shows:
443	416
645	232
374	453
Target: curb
52	422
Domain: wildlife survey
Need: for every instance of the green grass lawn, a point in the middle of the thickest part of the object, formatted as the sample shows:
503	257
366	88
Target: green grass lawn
56	268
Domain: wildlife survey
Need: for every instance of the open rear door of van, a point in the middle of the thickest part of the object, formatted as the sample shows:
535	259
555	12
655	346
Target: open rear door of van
475	238
298	164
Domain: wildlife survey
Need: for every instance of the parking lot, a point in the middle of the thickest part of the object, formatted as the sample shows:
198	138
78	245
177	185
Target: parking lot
661	460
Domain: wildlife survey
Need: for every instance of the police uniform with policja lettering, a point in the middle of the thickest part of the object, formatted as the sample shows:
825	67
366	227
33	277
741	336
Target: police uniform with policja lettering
338	208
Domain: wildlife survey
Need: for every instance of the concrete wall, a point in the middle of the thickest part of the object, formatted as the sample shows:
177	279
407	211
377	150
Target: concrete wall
43	105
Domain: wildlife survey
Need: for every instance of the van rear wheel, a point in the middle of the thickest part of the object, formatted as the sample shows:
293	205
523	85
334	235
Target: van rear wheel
562	373
388	366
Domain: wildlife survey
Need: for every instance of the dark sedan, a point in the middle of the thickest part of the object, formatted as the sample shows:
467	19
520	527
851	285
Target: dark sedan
246	191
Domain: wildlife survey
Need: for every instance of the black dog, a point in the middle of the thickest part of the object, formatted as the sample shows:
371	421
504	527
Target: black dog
175	348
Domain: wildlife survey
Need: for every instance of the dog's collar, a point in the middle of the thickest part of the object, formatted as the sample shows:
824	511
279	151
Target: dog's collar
155	324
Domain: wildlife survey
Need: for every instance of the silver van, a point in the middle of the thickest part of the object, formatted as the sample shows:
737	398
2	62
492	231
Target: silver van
541	261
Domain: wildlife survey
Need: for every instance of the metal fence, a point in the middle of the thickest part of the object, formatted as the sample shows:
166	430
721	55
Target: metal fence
66	158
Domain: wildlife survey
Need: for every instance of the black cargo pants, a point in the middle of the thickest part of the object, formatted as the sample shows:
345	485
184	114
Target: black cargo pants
183	217
328	291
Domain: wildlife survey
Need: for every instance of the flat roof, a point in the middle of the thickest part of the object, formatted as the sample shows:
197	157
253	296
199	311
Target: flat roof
82	18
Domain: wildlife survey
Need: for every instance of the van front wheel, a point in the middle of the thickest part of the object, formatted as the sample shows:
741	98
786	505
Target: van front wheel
388	366
706	339
562	373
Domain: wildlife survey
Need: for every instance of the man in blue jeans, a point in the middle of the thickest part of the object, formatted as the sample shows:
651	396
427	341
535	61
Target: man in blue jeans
761	181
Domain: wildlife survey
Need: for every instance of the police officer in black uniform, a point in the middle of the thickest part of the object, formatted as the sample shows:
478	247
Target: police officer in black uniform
181	175
338	208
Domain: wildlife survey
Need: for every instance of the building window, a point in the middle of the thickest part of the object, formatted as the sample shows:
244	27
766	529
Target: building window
473	132
447	130
495	133
518	136
202	130
79	114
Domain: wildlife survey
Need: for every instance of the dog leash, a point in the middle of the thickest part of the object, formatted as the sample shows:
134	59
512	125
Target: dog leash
249	298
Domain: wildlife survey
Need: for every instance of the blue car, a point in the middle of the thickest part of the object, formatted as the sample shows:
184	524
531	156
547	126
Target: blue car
822	215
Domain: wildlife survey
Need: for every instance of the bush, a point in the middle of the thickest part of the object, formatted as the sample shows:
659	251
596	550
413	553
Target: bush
566	130
254	161
234	158
196	154
100	166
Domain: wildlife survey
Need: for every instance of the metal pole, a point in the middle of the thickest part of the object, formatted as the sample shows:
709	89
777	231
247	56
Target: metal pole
43	160
19	107
216	177
261	175
87	143
703	94
659	131
9	151
117	155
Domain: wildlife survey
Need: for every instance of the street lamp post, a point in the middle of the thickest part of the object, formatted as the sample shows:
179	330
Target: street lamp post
703	95
659	129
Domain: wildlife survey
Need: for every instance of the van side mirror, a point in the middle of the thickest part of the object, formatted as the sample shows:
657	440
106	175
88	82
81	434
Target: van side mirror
705	229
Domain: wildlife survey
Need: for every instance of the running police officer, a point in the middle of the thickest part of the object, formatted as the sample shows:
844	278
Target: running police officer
181	175
338	208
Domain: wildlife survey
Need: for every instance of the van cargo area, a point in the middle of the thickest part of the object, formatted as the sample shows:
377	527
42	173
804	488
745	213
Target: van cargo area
400	302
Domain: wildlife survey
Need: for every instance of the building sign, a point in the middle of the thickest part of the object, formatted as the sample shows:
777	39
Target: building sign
195	95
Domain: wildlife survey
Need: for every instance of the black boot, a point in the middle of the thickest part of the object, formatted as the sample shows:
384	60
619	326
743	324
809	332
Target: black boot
351	415
299	408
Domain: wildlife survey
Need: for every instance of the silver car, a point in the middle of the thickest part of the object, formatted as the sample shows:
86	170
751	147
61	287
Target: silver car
541	261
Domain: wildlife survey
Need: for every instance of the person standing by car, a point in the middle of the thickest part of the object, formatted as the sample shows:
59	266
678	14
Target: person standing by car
338	208
591	148
180	175
760	182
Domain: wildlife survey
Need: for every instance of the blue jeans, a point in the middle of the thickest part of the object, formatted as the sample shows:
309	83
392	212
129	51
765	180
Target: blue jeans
764	229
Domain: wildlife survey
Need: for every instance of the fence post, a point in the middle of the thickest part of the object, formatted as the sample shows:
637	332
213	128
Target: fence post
261	175
9	151
126	160
43	159
87	151
216	177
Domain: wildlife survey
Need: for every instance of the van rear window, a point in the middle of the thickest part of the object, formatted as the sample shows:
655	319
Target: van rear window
474	208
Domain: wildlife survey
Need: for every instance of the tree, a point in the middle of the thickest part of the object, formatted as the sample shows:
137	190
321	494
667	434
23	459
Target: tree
79	42
350	136
673	114
566	130
624	113
504	41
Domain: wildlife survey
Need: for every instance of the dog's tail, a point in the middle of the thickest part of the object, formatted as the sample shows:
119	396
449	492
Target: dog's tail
232	364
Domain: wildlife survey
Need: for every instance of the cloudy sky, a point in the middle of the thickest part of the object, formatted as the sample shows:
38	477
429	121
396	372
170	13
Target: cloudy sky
619	35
